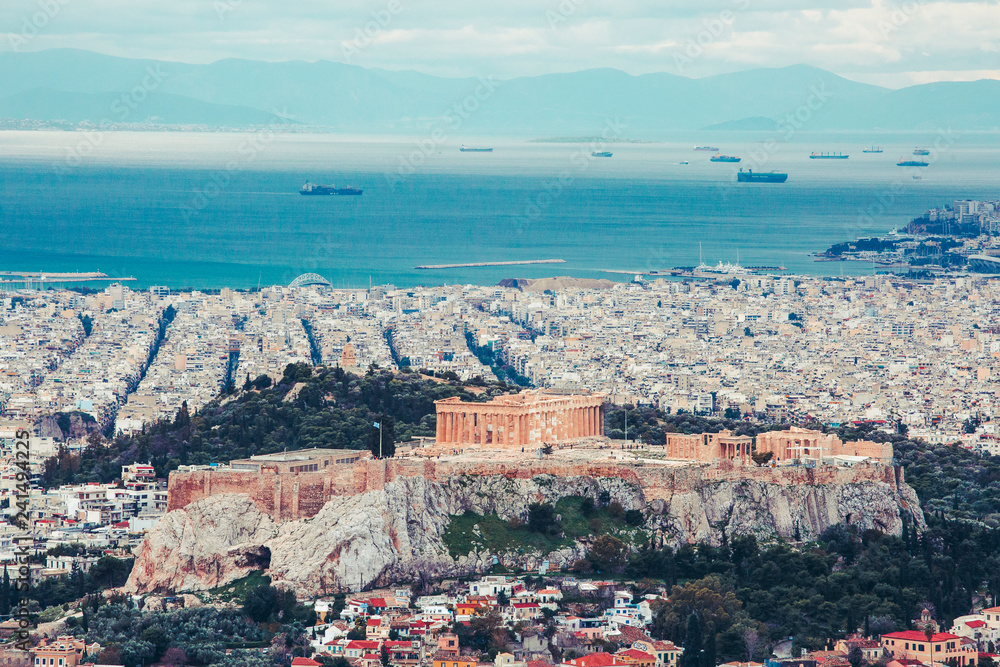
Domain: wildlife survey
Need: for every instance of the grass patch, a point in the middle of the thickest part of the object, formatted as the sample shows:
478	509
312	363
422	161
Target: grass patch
235	591
496	535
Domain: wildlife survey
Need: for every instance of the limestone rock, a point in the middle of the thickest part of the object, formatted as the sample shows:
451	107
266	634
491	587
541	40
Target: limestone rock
208	544
394	533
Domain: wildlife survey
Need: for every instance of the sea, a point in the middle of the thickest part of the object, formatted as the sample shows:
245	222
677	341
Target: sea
216	209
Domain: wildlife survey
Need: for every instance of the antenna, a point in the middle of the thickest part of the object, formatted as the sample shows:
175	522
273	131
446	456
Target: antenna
700	260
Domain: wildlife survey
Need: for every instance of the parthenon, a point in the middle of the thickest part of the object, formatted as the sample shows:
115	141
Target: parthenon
527	419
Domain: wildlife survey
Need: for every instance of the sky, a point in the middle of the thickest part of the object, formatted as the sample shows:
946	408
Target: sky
884	42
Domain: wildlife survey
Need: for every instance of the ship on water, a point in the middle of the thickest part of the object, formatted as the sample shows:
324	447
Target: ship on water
473	149
911	163
828	156
760	177
921	151
713	149
724	158
312	189
601	154
872	149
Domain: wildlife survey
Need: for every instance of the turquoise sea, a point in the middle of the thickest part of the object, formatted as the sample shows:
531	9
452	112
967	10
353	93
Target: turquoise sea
222	209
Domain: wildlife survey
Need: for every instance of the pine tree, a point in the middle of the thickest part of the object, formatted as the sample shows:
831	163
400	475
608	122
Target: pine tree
692	655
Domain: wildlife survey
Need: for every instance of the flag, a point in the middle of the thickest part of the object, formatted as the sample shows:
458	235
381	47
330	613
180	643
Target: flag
377	425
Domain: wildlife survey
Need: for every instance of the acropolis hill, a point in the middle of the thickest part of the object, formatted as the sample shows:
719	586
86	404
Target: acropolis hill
333	520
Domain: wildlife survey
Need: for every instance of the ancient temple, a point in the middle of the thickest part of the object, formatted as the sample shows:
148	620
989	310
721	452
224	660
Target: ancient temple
529	419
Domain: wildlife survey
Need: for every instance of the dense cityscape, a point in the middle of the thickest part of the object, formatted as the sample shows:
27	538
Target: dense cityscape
372	335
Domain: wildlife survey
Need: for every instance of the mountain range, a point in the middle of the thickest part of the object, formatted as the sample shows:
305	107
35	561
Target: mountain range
76	86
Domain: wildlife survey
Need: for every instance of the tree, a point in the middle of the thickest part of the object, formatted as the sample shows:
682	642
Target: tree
855	657
385	656
608	553
762	458
692	655
751	639
266	602
542	518
110	655
502	599
174	656
711	598
587	507
928	630
634	518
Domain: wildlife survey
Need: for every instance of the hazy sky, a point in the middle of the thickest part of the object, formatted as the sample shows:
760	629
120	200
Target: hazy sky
877	41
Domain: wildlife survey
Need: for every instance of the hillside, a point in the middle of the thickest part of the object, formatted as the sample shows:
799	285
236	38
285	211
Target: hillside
321	407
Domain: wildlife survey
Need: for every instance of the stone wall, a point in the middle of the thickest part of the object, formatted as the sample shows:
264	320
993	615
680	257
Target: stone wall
287	497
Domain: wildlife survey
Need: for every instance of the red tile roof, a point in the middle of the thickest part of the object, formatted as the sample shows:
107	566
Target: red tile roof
599	659
305	662
636	654
916	635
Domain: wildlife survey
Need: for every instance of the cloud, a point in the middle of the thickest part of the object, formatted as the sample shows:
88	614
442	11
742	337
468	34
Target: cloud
895	42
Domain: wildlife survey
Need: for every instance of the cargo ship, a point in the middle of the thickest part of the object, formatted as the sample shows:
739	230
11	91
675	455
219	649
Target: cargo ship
724	158
471	149
761	176
911	163
872	149
713	149
601	154
310	189
921	151
828	156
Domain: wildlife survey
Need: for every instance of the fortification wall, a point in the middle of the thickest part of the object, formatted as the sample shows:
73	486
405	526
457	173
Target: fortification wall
286	497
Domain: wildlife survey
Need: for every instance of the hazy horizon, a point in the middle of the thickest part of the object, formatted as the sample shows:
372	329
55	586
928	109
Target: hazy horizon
882	43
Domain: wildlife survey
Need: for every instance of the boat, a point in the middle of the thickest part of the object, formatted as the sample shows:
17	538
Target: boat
911	163
872	149
601	154
714	149
918	177
471	149
761	176
311	189
828	156
724	158
683	162
921	151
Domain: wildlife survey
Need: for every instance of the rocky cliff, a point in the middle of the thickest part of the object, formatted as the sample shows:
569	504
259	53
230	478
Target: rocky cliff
394	533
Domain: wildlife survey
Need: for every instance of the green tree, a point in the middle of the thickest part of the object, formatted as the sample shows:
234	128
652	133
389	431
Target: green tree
608	554
711	598
542	518
693	648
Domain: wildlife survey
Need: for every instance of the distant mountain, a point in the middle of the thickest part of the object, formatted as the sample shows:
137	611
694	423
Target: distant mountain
160	108
348	98
757	123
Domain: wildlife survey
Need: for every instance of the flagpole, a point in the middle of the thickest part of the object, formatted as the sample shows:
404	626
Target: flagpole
380	439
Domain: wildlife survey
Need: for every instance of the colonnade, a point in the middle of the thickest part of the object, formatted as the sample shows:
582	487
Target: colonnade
504	423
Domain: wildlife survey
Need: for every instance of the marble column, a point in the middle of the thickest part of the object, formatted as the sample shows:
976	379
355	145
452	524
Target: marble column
439	436
482	428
